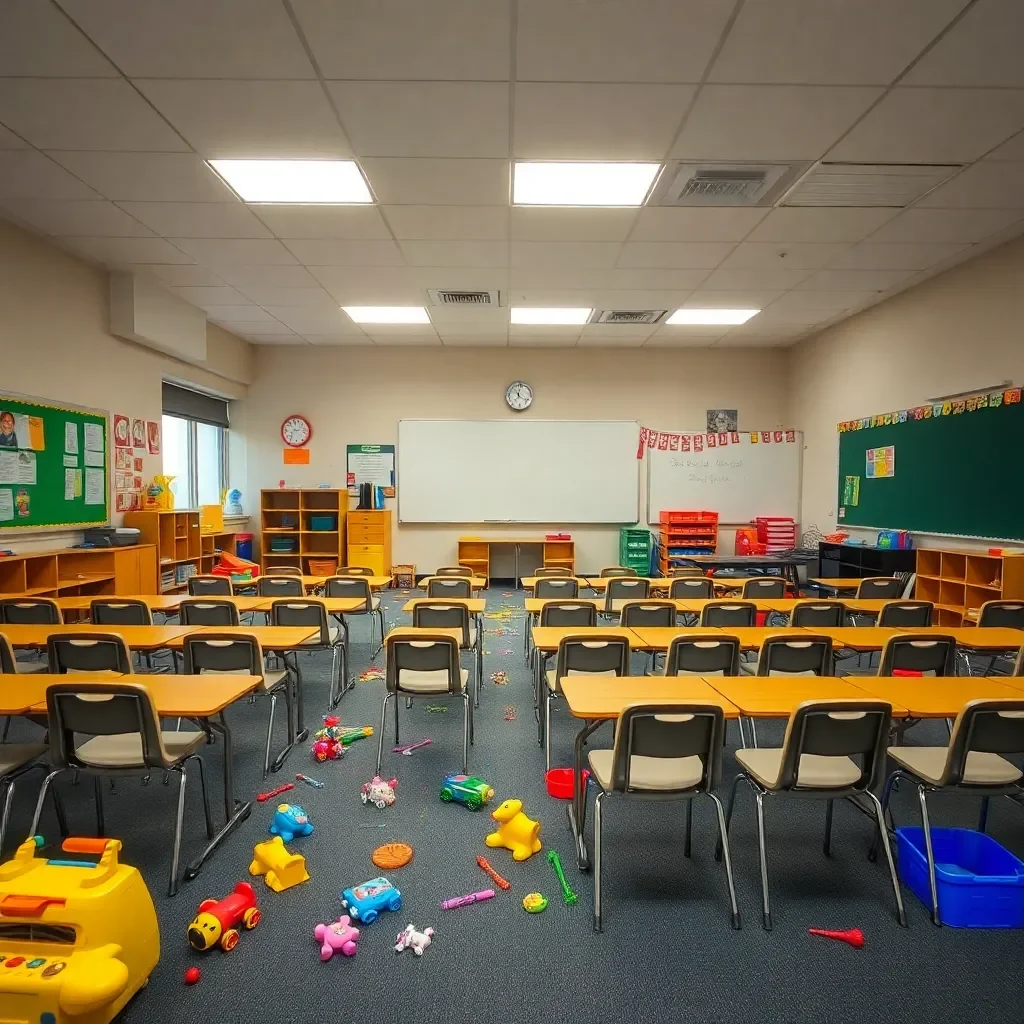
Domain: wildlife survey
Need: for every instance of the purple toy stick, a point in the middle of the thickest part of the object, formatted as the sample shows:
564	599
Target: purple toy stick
465	901
408	748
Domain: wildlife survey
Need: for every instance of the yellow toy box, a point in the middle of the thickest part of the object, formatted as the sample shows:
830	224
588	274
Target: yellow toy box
77	939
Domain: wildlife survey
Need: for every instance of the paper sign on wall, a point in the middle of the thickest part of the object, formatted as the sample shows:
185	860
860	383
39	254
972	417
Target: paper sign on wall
880	462
371	464
296	456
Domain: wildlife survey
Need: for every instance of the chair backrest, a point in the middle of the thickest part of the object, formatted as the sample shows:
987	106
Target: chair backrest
29	611
648	613
617	570
427	653
906	613
350	586
354	570
308	611
1002	613
686	570
552	570
818	613
927	653
568	613
796	655
699	656
698	587
769	586
879	588
280	586
7	662
983	726
222	652
1018	664
728	613
669	732
839	729
449	586
210	586
123	611
453	570
443	616
909	582
592	654
625	589
198	611
557	586
88	652
282	570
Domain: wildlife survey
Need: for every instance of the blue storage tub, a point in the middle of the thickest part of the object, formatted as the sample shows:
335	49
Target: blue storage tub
980	883
323	523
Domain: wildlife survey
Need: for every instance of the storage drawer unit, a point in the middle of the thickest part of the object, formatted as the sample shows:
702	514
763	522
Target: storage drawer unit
368	535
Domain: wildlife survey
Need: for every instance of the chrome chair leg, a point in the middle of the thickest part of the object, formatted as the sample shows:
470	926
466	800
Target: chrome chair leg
37	814
6	815
547	731
97	788
383	724
206	794
901	914
930	853
728	814
597	861
172	887
466	699
723	837
270	734
983	815
826	846
763	853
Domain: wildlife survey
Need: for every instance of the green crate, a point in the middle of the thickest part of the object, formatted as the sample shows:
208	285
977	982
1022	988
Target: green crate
634	548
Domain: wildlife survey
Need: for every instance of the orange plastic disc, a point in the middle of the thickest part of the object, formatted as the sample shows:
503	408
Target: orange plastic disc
392	855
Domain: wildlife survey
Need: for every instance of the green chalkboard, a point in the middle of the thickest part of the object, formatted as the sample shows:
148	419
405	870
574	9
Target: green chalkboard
54	468
952	474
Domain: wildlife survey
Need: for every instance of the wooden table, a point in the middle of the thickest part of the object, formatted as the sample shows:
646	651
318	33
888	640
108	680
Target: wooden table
780	696
839	584
785	605
170	603
138	638
417	632
475	582
271	638
157	602
529	582
658	638
788	565
858	638
984	638
474	605
939	696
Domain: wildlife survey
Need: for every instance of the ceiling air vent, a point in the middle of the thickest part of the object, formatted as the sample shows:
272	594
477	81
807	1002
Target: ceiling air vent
724	184
447	297
852	185
628	316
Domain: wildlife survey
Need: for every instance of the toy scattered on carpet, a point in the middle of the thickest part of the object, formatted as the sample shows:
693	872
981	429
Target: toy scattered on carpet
465	901
408	748
281	869
516	832
499	678
381	824
506	652
378	792
349	736
216	922
852	936
337	937
192	976
501	883
365	902
264	797
328	745
534	903
556	862
309	782
413	939
437	708
290	821
466	789
392	855
370	674
510	712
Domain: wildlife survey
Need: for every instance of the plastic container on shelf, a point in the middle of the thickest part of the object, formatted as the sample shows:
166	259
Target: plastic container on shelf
243	546
323	523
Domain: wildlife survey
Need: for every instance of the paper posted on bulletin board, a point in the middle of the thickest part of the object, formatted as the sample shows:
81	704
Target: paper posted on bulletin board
880	462
371	464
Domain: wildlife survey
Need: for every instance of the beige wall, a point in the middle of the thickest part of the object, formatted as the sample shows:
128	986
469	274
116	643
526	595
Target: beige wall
958	331
357	395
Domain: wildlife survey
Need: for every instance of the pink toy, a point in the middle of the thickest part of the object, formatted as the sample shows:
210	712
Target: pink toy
378	792
408	748
414	940
464	901
337	937
328	745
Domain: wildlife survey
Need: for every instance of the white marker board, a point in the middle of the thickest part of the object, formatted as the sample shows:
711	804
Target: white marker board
740	481
518	471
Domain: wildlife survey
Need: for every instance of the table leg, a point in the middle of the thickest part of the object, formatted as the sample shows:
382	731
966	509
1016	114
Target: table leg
576	809
479	656
297	732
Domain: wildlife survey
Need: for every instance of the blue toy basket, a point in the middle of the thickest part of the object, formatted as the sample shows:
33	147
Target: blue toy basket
980	883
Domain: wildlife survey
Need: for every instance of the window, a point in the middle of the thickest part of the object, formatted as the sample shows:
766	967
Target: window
195	446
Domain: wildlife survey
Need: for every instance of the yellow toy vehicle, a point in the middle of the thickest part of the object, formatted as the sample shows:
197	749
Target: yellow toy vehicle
77	939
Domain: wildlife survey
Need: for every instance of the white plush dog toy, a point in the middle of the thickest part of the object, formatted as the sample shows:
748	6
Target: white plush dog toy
414	940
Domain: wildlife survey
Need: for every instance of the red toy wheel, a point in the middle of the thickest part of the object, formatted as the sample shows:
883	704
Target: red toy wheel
229	940
251	917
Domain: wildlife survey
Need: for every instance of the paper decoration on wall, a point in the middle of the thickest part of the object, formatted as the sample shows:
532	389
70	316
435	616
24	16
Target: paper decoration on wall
296	456
138	465
1010	396
664	441
123	458
20	431
153	436
139	434
122	431
720	420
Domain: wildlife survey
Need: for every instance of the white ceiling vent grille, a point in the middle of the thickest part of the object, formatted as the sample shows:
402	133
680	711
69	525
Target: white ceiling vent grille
852	185
628	316
449	297
724	184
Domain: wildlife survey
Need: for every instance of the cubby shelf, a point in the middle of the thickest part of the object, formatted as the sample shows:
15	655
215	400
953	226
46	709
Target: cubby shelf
960	582
287	513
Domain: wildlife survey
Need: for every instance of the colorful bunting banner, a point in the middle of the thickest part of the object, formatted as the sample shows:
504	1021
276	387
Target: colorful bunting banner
665	441
1011	396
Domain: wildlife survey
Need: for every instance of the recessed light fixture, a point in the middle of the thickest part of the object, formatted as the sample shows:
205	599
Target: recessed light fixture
549	315
582	184
387	314
294	181
711	316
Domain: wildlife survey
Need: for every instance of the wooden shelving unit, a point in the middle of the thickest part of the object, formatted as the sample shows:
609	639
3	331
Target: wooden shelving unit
694	533
80	571
958	583
476	552
369	539
287	518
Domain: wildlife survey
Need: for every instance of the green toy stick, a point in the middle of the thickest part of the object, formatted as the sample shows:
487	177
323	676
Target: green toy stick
351	735
556	862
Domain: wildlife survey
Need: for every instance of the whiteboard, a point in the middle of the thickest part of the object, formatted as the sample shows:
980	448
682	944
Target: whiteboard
739	482
518	471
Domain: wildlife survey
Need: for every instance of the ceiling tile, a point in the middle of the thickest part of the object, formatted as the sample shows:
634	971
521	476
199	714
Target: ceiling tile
178	275
338	339
563	41
449	40
438	181
839	42
518	333
754	279
26	174
218	296
810	299
983	48
896	256
270	339
265	251
771	341
529	277
257	329
455	254
471	341
298	221
255	276
8	140
268	295
237	314
541	341
854	280
156	177
669	279
289	120
370	286
405	339
448	222
667	337
468	318
37	40
934	126
1011	150
75	217
668	224
625	334
705	298
575	255
683	255
769	122
306	320
571	224
198	220
798	255
424	119
790	224
574	121
194	38
929	225
460	278
988	185
83	113
339	252
118	251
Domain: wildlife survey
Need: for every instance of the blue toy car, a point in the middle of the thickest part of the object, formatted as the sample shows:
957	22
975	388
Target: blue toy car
290	821
364	902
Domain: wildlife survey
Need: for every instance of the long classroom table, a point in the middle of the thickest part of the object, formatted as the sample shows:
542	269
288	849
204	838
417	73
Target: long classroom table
171	603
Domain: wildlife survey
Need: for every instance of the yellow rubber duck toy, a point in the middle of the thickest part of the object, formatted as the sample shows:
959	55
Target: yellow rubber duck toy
516	832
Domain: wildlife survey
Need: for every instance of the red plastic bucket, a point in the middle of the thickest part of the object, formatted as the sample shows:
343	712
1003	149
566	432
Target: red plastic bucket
559	782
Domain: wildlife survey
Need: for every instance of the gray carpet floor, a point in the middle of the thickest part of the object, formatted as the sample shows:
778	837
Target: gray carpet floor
667	950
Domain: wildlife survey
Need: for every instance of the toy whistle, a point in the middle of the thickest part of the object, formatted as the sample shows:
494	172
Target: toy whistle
465	901
309	781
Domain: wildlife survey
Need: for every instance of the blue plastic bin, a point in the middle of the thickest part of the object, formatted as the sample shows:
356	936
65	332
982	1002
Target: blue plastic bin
243	546
980	883
323	523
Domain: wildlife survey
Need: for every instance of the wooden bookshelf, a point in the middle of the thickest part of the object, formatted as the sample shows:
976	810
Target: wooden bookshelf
958	583
70	572
287	535
475	552
176	536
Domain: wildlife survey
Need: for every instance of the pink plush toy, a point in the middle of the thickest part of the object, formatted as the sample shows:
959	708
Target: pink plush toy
337	937
413	939
378	792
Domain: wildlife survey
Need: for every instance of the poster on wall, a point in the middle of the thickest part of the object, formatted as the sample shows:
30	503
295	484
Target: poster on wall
153	436
721	420
851	490
371	464
122	431
880	462
138	434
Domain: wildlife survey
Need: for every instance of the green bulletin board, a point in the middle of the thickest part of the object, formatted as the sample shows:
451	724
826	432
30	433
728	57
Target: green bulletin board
53	465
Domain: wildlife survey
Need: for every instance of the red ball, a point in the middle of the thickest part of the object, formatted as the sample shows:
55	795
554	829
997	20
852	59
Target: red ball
191	975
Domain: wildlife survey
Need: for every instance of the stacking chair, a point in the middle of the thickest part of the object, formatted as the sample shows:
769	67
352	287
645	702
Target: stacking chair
1009	614
210	586
454	570
697	588
927	653
648	613
276	585
88	652
203	612
354	570
454	616
565	613
449	586
617	570
766	586
818	613
699	656
557	587
547	571
662	752
974	762
29	611
16	760
799	654
425	666
357	588
729	613
282	570
124	739
311	611
620	591
8	663
878	588
122	611
584	654
906	613
819	759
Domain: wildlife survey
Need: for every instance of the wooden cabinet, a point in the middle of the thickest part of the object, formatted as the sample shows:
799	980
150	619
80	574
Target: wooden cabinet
475	552
958	583
177	538
69	572
369	540
303	528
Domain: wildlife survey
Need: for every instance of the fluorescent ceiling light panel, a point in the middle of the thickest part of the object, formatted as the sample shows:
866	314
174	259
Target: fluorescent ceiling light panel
711	316
387	314
295	181
582	184
549	315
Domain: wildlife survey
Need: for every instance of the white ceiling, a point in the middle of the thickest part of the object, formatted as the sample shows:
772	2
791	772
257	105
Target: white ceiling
108	109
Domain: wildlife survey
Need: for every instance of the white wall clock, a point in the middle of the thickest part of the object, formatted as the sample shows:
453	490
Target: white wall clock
296	431
519	395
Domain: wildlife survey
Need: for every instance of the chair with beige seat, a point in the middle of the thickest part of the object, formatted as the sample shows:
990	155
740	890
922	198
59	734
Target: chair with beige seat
927	653
453	570
648	613
546	572
878	588
550	588
767	587
975	762
29	611
623	589
449	587
906	613
617	570
354	570
562	613
701	656
818	759
358	589
1009	614
662	752
795	654
818	613
311	611
10	665
454	616
88	652
698	588
210	586
199	611
729	613
280	586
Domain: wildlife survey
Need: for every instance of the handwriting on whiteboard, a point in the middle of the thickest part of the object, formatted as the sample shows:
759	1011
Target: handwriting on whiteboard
707	470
